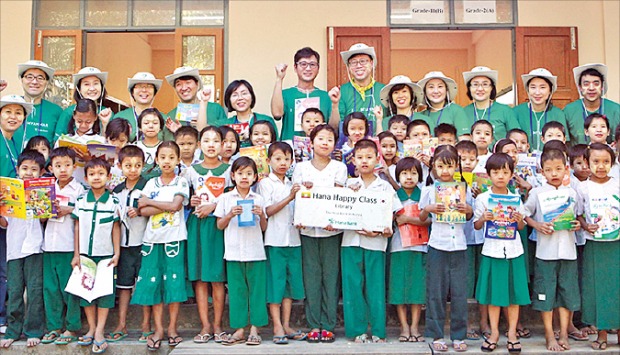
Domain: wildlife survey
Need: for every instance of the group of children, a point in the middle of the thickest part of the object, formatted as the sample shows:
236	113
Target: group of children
168	216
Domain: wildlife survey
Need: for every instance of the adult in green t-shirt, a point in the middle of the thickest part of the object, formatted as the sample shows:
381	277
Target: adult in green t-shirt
290	104
540	85
481	83
361	93
142	90
35	76
13	111
591	82
439	91
240	98
400	97
89	83
187	83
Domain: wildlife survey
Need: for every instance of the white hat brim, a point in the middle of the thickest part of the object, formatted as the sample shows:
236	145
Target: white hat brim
601	68
385	92
370	51
24	67
155	82
103	76
491	74
26	105
527	77
450	83
193	73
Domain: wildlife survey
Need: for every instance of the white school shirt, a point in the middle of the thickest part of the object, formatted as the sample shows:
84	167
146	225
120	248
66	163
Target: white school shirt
149	152
351	238
96	219
615	171
78	173
196	175
444	236
241	243
580	235
59	233
24	237
116	176
195	160
497	248
132	229
583	202
335	173
481	165
167	226
280	229
396	244
561	244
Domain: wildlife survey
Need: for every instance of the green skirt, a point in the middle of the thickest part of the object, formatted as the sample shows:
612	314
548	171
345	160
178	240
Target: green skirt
205	250
600	297
502	282
407	283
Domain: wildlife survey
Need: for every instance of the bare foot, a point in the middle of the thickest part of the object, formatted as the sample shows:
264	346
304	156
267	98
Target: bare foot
31	342
278	331
563	342
6	343
552	345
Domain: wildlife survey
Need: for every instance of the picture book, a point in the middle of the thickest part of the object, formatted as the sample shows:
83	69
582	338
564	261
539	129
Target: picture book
91	280
211	189
187	113
410	234
300	107
348	160
504	224
105	151
259	155
468	177
526	166
481	181
450	194
302	148
557	206
93	148
380	161
27	199
240	127
246	218
414	147
63	201
605	211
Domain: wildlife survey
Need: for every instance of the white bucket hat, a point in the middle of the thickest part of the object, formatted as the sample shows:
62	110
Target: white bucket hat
450	83
16	100
401	79
542	73
359	48
35	64
480	71
90	71
143	78
184	71
599	67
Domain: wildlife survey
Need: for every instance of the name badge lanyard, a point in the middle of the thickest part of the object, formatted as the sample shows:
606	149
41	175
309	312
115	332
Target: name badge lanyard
599	111
537	131
440	114
484	113
12	157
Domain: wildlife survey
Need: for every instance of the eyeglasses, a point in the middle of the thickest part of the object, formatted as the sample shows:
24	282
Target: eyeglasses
484	85
237	95
362	62
144	87
304	65
31	77
587	84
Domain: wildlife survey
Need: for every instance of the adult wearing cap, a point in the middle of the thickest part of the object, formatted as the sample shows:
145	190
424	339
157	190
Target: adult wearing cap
362	92
186	82
482	90
290	104
35	77
591	81
439	91
400	97
540	85
89	83
142	90
13	112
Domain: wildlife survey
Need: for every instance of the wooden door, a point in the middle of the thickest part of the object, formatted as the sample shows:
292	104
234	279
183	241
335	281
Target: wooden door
340	39
553	48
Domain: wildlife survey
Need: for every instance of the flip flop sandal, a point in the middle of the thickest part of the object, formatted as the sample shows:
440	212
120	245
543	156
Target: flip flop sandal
511	347
144	338
327	336
298	335
65	339
578	336
233	341
202	338
156	345
98	347
376	339
220	338
487	346
87	340
473	335
416	338
314	337
279	340
439	345
113	336
253	340
459	346
174	341
523	333
53	333
403	339
599	345
361	339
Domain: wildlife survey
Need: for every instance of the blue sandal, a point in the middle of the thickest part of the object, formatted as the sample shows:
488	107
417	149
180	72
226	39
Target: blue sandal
86	340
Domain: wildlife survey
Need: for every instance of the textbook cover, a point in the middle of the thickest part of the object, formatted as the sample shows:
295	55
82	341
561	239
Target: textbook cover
302	148
28	199
557	206
605	211
410	234
212	188
246	218
504	224
187	113
450	194
526	166
259	155
91	280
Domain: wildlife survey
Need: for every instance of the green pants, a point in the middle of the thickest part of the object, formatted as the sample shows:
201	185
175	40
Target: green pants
25	273
57	270
247	290
321	266
363	291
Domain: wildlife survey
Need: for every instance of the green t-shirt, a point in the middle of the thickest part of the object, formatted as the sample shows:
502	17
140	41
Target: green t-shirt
452	114
62	127
10	149
216	116
501	117
533	127
41	121
575	114
294	107
255	117
351	101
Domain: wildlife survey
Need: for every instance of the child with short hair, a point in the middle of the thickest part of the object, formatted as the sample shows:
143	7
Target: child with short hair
389	152
553	130
262	132
187	139
62	309
555	275
420	130
407	283
244	253
282	243
24	238
133	226
151	123
445	133
520	137
41	145
311	118
230	145
354	127
578	163
397	124
482	136
97	236
596	127
117	133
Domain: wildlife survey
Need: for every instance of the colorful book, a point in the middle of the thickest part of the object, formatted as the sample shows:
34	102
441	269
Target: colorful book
63	201
504	224
91	280
240	127
211	189
557	206
246	218
259	155
187	113
28	199
482	182
348	160
301	105
468	177
302	148
105	151
94	148
450	194
604	211
410	234
526	166
414	147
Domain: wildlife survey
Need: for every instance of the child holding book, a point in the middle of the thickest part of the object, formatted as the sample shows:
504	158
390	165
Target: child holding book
117	134
62	309
205	242
596	127
446	265
389	152
97	236
244	252
24	238
482	136
397	124
601	256
151	122
419	130
41	145
230	145
319	246
502	280
282	243
407	284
